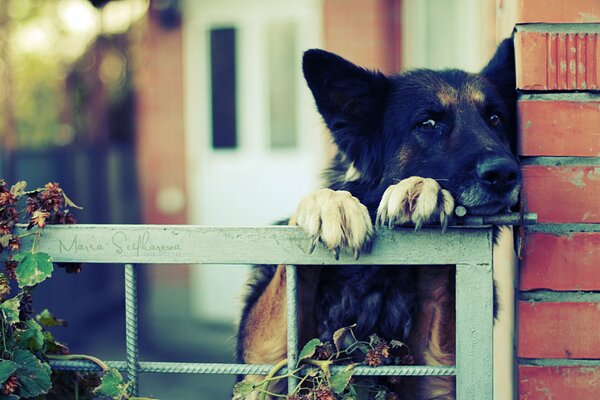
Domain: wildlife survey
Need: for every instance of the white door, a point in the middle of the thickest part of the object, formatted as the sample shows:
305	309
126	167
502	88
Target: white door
254	141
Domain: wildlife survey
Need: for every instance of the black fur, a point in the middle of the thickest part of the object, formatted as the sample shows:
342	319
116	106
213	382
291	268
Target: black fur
375	123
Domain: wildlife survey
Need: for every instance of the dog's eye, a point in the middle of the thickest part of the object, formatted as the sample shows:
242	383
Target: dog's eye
495	120
428	124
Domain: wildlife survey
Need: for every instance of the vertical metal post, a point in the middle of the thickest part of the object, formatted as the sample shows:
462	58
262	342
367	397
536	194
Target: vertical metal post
131	326
292	322
474	332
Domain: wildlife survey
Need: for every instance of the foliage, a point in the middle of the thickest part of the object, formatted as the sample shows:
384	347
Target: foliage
27	345
316	380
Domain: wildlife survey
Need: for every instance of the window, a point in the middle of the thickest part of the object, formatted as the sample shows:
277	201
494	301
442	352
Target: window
223	84
283	61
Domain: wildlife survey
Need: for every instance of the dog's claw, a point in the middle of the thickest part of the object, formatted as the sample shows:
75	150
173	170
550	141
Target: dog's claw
313	244
444	221
415	200
336	219
336	253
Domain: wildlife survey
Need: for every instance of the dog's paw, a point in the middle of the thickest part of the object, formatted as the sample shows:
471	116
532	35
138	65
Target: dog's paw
335	218
415	200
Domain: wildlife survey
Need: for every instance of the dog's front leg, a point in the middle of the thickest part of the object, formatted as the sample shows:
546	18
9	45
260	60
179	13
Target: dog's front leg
337	220
415	200
265	328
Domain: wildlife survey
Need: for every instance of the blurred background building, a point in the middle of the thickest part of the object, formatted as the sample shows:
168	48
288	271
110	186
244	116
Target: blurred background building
192	112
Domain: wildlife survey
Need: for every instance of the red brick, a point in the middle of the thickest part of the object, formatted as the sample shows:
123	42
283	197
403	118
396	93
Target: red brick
561	262
558	11
568	194
559	128
557	60
559	330
559	383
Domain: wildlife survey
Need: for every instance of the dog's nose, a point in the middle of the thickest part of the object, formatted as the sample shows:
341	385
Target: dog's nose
500	174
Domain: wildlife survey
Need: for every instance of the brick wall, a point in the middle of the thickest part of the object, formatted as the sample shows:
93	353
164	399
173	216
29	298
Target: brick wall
367	32
557	44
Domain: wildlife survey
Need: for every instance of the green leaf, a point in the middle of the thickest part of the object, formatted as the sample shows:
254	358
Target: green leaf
33	268
112	385
46	318
33	375
53	346
357	392
309	349
8	397
10	310
242	389
339	381
7	368
32	337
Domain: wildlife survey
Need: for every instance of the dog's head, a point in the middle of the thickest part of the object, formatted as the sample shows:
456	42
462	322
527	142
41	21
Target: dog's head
453	126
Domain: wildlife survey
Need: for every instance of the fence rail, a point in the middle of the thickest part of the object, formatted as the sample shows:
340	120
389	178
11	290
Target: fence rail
467	247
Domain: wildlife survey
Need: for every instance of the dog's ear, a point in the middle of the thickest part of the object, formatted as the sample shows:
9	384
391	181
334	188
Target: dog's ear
501	70
344	92
350	99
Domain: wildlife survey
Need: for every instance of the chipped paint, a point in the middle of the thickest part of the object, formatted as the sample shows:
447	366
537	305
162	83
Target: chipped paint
577	179
594	174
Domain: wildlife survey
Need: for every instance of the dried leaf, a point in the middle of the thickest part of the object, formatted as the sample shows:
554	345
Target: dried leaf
69	202
46	318
5	239
339	338
242	389
18	189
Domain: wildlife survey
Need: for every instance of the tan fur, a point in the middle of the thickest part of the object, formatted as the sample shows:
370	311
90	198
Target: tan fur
447	95
433	339
474	94
266	321
335	218
416	200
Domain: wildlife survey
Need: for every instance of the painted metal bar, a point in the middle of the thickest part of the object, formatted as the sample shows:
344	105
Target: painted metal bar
291	282
246	369
468	247
156	244
554	296
474	331
131	326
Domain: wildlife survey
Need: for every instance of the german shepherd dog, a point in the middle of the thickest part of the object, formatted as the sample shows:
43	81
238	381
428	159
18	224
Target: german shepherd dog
411	147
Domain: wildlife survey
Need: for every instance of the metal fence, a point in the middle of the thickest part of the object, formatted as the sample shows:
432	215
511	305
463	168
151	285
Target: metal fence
467	247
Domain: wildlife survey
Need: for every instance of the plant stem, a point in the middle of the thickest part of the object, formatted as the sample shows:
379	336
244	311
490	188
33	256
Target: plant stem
299	385
270	375
70	357
3	335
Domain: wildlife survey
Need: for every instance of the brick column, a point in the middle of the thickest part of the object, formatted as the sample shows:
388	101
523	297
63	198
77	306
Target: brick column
557	44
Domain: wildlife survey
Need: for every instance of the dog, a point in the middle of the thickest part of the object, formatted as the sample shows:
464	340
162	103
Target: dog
411	147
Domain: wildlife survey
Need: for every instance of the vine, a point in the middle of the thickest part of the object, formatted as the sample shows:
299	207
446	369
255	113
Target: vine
27	344
317	382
